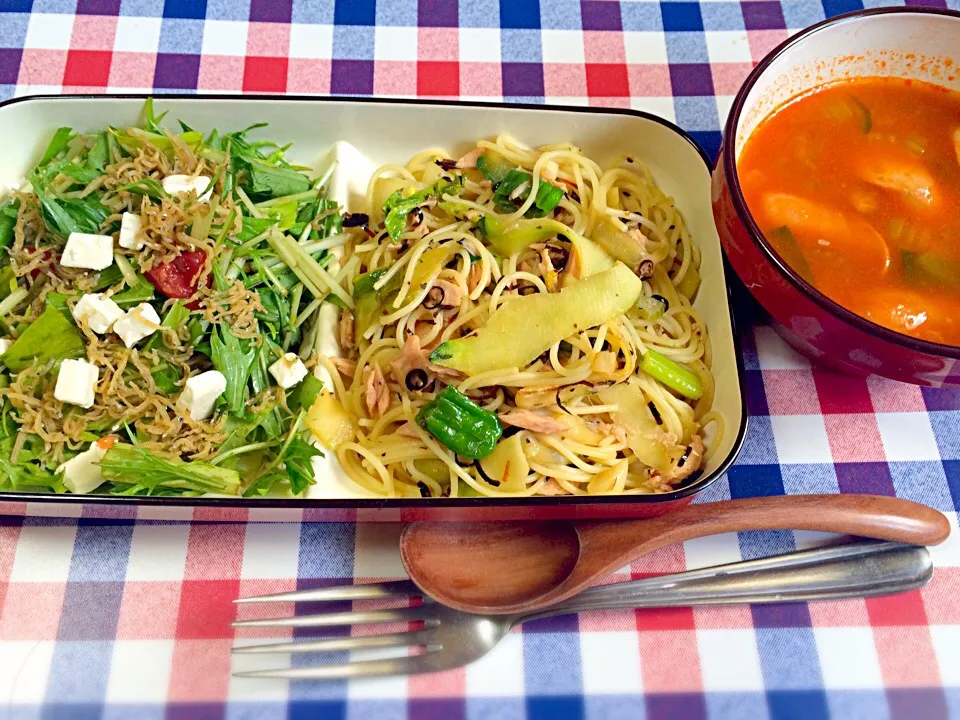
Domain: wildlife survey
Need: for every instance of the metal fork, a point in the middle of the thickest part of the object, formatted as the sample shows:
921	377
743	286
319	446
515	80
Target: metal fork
450	638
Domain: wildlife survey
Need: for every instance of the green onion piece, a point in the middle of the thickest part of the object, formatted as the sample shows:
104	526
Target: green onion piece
672	374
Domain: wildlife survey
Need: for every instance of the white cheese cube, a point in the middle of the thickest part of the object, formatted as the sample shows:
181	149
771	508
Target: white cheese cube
90	252
288	370
5	345
98	310
81	474
175	184
76	382
201	393
136	324
129	227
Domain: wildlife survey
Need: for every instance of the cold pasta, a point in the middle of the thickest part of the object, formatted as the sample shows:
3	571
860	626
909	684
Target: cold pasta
520	323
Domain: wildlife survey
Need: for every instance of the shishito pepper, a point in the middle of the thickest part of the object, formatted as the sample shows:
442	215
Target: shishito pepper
460	424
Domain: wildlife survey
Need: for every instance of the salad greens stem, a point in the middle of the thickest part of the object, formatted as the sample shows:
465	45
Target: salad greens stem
225	259
291	262
296	197
242	450
327	174
259	265
201	224
214	200
233	272
327	244
305	267
307	312
291	436
11	301
347	268
226	227
250	244
312	249
129	274
297	294
246	201
305	233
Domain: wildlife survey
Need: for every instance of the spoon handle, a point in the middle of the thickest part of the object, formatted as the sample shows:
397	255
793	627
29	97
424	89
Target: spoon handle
607	546
853	570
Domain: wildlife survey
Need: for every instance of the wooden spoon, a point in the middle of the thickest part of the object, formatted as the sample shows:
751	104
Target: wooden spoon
502	568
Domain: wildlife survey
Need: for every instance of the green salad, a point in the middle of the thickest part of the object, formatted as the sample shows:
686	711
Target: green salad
160	295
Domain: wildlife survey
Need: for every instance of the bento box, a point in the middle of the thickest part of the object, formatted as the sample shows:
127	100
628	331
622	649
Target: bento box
355	136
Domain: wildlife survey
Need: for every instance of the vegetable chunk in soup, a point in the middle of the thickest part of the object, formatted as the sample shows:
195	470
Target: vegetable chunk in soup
857	187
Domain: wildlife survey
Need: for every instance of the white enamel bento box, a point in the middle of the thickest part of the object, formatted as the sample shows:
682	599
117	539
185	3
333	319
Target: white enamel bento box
358	136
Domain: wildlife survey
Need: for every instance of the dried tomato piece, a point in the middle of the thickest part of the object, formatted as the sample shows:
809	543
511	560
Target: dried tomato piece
180	278
35	273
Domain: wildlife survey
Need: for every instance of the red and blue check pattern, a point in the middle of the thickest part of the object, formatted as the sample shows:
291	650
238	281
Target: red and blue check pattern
130	619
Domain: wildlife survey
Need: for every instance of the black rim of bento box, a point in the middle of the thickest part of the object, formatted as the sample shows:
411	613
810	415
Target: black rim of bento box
363	503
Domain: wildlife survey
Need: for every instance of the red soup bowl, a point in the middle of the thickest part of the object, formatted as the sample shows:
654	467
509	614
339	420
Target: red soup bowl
917	43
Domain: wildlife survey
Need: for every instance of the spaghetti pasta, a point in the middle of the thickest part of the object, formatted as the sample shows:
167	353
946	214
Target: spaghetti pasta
454	248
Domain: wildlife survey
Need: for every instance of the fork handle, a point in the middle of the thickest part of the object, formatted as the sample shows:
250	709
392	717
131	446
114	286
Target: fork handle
861	569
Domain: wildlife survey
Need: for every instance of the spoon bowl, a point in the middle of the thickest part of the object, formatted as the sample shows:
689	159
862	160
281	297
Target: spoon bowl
504	568
542	555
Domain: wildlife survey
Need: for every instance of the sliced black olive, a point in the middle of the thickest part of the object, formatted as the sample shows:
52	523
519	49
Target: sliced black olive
415	217
424	490
558	256
495	483
683	458
527	289
434	298
663	301
356	220
447	164
416	380
645	269
655	413
482	394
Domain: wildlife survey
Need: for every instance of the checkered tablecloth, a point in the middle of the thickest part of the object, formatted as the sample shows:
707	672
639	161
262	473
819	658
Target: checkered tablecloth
121	619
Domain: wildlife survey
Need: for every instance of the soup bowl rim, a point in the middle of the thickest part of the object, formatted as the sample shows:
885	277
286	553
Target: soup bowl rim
728	158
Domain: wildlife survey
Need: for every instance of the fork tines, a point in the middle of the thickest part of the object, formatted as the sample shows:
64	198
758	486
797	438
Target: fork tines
401	589
370	591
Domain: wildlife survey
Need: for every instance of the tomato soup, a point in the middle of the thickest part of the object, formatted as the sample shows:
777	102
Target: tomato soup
857	187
